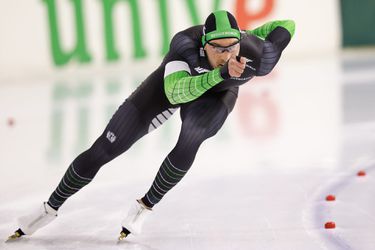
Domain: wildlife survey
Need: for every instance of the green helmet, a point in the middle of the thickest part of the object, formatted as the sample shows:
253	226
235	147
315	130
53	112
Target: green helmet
220	24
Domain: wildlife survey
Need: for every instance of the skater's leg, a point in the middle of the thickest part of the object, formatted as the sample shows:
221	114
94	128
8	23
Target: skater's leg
125	128
200	120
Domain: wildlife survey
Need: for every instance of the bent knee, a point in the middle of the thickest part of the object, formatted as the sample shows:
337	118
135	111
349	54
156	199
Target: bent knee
103	150
199	134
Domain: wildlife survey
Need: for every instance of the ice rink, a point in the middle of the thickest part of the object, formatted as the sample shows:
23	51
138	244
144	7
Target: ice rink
294	137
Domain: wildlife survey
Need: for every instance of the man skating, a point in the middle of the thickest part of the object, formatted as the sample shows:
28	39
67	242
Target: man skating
201	75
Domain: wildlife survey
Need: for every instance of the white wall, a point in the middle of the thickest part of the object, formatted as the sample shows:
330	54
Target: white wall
25	43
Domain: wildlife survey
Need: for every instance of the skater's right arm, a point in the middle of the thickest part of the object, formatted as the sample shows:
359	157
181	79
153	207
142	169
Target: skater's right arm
181	87
179	84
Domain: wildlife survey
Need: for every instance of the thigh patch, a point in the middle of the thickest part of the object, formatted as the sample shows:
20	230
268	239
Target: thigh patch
161	118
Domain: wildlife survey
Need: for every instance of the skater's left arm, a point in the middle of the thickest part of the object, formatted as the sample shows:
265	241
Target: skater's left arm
279	32
276	36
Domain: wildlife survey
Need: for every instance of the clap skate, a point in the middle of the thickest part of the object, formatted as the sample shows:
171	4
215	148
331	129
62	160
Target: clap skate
134	220
37	219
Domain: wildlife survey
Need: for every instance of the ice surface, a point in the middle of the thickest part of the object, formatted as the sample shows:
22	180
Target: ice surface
294	137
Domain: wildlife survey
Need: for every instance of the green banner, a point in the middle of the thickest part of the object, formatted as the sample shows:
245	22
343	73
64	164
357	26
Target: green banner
358	20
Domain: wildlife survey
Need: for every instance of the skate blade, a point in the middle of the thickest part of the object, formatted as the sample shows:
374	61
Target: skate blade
13	237
122	236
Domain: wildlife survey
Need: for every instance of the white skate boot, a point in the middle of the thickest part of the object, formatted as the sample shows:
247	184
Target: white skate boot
37	219
134	220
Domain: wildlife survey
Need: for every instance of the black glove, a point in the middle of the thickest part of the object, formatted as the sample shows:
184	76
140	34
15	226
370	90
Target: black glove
224	72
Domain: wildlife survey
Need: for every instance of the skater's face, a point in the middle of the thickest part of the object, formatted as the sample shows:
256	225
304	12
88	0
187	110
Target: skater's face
219	51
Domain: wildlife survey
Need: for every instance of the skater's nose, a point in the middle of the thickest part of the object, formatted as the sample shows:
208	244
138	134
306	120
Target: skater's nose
224	57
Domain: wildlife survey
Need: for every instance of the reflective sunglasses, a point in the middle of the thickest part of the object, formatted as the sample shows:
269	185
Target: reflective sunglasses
222	49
